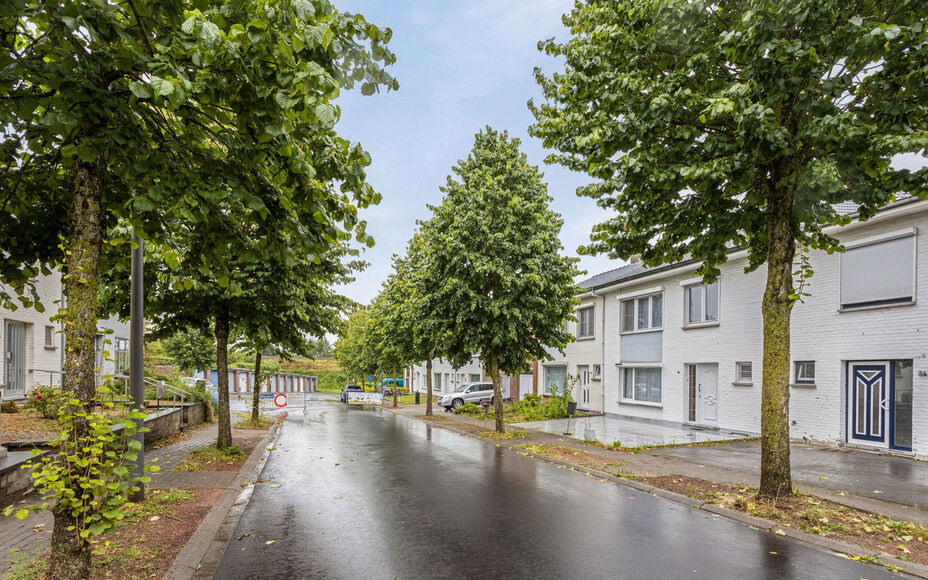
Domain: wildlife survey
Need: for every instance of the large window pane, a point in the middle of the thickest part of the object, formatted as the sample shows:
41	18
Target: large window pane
555	376
628	315
643	384
657	311
694	303
629	383
902	424
712	301
644	316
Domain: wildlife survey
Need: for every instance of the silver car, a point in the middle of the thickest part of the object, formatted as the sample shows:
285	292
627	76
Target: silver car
467	393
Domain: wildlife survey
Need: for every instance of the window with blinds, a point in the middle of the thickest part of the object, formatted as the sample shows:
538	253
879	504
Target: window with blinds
879	273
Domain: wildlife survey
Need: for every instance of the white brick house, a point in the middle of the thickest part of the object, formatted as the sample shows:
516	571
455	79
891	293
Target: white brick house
673	349
33	345
445	378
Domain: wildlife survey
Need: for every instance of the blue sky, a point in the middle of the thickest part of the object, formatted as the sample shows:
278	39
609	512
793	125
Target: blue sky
461	65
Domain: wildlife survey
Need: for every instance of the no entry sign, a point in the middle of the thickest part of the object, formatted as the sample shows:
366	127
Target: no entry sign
280	400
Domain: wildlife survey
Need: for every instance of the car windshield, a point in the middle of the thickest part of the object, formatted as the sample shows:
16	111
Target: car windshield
461	389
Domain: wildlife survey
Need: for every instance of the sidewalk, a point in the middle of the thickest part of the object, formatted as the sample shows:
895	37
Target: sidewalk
29	537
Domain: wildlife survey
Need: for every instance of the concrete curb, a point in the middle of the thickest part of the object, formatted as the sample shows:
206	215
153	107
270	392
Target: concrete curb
838	547
201	555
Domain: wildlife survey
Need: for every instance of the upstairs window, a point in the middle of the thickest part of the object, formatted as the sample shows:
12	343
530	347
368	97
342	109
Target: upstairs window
879	273
702	303
644	313
585	327
49	336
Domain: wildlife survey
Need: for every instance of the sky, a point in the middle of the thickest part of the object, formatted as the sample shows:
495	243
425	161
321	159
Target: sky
461	65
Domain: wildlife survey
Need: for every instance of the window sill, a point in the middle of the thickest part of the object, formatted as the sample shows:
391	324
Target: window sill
51	347
875	306
742	384
643	330
596	378
579	338
701	325
641	403
802	385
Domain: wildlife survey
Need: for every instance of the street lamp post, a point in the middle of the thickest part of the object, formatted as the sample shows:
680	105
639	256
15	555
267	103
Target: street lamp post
136	355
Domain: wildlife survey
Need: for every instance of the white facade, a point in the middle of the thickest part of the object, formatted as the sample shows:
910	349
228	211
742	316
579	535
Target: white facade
33	345
445	378
859	341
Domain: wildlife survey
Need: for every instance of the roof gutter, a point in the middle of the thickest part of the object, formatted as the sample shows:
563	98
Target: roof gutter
901	207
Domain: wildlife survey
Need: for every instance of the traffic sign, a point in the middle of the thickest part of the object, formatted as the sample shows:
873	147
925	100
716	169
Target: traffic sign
280	400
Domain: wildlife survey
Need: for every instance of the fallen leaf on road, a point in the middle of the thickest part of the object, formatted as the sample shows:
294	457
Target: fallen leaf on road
774	553
269	542
780	533
275	485
154	518
337	463
877	491
822	477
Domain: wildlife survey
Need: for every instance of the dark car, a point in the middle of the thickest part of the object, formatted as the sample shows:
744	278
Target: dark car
351	388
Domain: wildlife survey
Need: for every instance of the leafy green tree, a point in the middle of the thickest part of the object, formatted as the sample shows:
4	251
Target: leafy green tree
496	277
352	349
156	113
712	124
322	347
190	349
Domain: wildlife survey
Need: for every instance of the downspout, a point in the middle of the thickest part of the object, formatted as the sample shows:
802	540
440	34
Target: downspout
602	366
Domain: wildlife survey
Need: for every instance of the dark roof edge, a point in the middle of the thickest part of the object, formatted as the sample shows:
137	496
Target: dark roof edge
665	267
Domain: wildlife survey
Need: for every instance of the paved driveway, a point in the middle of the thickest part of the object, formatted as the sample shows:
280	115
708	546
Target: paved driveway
630	431
896	479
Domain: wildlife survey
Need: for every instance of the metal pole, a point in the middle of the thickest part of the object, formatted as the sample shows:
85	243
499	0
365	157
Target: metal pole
136	355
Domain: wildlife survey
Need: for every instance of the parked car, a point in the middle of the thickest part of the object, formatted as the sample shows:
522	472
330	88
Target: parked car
351	388
467	393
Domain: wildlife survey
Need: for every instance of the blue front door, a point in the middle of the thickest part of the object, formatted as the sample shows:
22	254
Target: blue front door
869	390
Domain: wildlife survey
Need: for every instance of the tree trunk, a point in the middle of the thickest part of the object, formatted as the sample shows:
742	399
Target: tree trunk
775	479
224	439
256	388
396	389
497	394
70	556
428	387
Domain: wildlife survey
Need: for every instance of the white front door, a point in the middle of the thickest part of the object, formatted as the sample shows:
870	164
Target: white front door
707	394
583	374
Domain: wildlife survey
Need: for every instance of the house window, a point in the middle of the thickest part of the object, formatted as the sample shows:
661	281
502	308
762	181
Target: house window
49	336
122	356
879	273
743	373
644	313
643	384
556	377
475	377
702	303
805	372
597	372
585	324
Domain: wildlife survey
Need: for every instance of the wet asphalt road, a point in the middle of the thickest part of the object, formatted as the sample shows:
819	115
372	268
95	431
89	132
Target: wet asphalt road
366	494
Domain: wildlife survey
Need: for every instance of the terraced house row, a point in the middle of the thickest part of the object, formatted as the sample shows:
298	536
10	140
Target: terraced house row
657	343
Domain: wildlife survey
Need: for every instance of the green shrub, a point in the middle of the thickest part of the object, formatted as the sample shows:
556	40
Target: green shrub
46	401
531	400
8	407
469	409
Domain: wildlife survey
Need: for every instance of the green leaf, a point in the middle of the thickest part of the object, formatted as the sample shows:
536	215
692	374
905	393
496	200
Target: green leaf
139	90
22	514
325	113
161	86
210	33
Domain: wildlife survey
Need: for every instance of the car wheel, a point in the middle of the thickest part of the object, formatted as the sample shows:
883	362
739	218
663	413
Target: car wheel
457	404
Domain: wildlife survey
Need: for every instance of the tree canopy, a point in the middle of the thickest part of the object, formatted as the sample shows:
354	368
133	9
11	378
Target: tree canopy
496	280
707	125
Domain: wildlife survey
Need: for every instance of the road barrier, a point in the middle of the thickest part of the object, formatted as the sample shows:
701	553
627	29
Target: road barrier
361	399
281	401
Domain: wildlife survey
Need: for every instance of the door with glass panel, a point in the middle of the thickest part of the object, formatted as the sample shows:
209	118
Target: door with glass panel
583	374
14	358
879	404
703	382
